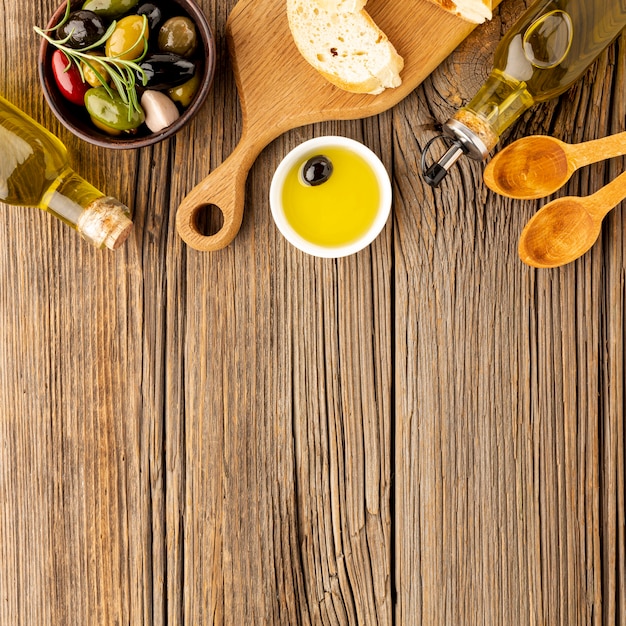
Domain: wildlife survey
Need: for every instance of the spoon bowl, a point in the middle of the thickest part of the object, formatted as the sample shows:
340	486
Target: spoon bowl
564	229
559	233
531	168
536	166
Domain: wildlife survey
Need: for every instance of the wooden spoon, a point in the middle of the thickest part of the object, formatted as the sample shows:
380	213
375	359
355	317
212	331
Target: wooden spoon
536	166
566	228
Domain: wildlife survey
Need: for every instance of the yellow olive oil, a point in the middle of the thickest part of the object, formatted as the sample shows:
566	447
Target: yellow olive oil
338	211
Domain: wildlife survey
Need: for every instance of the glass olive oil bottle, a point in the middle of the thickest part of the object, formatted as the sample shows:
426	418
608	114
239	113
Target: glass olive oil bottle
34	171
542	55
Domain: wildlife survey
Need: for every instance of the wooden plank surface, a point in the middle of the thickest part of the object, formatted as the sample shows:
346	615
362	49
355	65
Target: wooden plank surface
277	96
428	432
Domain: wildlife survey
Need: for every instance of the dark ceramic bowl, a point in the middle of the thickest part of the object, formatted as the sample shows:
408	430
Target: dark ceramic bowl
76	119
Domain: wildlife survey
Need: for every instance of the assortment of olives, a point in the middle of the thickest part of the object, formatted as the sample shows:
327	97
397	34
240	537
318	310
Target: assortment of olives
155	41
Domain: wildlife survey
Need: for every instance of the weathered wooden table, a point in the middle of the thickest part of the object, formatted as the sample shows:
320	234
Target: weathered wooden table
428	432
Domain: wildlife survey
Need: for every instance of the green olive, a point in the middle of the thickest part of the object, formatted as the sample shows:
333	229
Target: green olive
126	41
110	8
184	94
111	111
114	132
178	35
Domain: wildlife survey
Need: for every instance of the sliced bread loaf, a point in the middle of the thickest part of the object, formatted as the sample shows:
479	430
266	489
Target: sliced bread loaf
476	11
344	45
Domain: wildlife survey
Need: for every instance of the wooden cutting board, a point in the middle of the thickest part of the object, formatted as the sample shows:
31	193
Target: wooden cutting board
279	91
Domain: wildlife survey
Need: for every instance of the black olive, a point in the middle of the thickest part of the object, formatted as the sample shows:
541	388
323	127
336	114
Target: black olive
83	29
153	13
164	71
317	170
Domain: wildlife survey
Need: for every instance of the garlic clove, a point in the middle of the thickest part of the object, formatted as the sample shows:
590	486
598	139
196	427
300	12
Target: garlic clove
159	109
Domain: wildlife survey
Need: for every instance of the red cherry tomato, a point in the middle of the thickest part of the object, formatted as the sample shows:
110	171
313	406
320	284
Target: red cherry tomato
68	80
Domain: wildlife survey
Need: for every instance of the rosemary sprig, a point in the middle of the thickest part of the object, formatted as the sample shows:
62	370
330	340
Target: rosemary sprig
121	71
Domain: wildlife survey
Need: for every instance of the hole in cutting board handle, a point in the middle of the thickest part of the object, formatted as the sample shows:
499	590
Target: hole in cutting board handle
205	225
218	198
208	220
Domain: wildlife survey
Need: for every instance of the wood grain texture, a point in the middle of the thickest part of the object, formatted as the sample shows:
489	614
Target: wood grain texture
279	91
428	432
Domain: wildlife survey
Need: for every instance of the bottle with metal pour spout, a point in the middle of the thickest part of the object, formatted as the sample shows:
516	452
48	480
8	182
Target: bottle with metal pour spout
542	55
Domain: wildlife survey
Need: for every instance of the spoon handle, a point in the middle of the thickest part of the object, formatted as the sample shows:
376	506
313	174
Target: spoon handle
598	149
607	198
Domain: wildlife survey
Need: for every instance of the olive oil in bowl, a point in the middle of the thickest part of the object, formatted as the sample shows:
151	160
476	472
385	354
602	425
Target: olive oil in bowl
341	214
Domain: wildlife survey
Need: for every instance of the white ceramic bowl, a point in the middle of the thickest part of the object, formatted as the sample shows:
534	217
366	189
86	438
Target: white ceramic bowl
301	154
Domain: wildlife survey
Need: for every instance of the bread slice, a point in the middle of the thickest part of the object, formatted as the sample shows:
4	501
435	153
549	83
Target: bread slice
341	6
475	11
342	42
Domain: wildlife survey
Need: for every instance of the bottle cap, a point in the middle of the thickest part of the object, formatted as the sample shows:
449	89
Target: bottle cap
105	223
435	173
460	140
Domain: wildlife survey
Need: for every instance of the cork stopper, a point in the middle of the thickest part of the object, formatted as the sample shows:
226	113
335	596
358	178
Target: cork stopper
105	223
478	131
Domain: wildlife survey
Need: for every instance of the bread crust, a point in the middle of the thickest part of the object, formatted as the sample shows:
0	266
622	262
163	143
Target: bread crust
341	6
475	11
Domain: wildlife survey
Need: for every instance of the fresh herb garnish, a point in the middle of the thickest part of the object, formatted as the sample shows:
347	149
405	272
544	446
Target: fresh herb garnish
121	71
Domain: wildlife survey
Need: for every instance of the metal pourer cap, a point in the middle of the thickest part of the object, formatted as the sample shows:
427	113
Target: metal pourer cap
460	140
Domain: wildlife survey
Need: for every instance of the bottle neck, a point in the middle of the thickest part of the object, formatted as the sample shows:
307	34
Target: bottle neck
476	128
102	221
497	105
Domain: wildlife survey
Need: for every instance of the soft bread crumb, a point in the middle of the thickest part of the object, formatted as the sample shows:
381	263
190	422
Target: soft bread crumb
345	46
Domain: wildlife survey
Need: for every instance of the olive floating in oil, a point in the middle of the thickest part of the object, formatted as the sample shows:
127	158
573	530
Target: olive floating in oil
341	210
317	170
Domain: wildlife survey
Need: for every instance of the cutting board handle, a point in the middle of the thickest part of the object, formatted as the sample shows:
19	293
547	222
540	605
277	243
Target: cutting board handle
223	188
